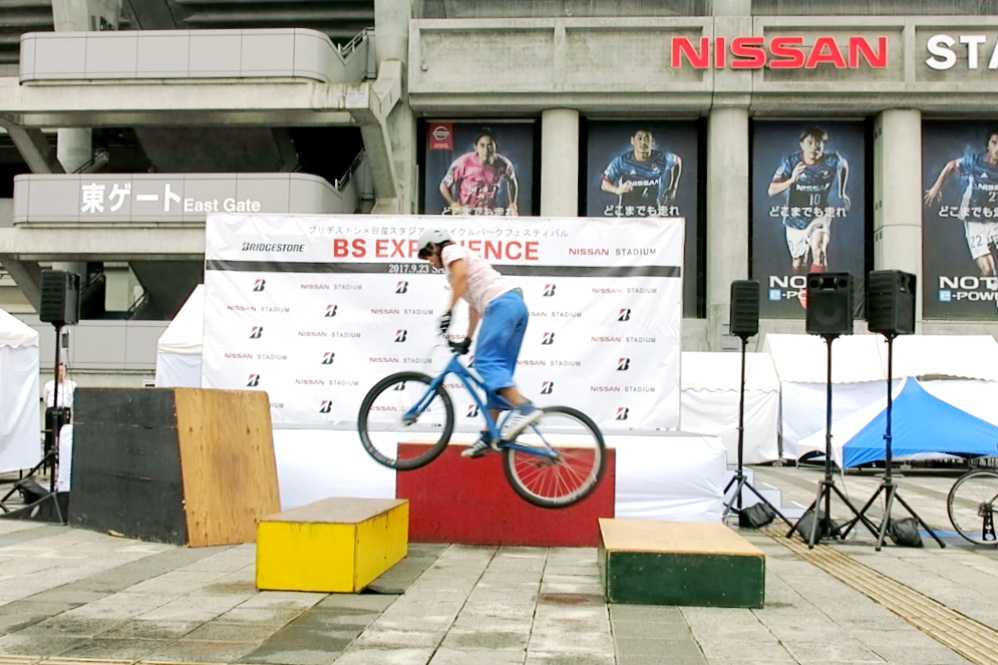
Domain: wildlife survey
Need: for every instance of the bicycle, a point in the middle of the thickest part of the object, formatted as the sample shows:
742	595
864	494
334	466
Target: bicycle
972	504
543	472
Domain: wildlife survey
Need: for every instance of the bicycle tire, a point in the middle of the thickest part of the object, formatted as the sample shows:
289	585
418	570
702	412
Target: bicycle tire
364	429
516	461
968	510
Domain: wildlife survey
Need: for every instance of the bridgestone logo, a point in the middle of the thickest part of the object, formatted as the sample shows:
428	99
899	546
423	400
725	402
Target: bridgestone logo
271	247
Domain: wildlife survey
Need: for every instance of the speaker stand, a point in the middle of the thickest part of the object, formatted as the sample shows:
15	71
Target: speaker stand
887	485
827	486
739	480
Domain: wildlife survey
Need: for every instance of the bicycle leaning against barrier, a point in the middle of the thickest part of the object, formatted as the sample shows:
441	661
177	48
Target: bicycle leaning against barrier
552	456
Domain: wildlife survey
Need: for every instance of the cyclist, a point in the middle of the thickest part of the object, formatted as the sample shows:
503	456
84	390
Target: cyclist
503	315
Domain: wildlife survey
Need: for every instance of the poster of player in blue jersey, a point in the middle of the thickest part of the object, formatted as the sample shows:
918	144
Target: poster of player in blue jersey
808	209
648	169
959	220
479	168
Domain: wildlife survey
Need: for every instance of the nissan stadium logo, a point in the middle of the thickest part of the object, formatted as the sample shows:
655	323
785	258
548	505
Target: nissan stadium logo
624	314
402	287
401	335
547	387
330	311
623	364
256	332
622	413
549	290
547	339
326	406
253	381
259	285
328	357
441	133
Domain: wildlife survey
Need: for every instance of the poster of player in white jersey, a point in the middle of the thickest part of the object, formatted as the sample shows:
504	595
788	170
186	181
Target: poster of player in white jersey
648	169
808	209
960	220
479	168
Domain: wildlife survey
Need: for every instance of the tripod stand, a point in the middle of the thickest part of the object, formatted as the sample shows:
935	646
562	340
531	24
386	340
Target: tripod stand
827	485
887	484
51	457
739	479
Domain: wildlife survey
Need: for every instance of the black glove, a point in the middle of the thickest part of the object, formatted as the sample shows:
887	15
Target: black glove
461	347
444	322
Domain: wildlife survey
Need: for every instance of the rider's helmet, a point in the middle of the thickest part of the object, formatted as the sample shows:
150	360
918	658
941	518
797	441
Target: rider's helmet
430	237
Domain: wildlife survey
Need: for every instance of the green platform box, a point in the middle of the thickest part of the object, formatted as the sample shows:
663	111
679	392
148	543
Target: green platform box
651	562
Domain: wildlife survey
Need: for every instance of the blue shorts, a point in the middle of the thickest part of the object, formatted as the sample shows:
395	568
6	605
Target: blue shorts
504	323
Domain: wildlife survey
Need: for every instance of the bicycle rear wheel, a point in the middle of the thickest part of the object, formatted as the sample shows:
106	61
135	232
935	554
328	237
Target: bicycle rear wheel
383	426
972	505
565	462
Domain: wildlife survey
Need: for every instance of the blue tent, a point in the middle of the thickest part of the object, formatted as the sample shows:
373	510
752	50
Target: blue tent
921	423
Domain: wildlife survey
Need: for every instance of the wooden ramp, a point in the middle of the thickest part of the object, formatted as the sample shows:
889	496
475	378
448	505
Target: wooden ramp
187	466
679	563
333	545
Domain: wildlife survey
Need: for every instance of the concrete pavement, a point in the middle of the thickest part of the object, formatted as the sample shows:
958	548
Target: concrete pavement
75	594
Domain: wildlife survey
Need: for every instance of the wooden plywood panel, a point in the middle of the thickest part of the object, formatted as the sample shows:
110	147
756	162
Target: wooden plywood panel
636	535
229	467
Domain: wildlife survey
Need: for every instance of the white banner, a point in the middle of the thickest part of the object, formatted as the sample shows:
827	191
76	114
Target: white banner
317	309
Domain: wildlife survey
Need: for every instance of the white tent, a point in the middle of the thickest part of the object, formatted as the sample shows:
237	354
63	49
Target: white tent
710	395
20	405
948	364
178	352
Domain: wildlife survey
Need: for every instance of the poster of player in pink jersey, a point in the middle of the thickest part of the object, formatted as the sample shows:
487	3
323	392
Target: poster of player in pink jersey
475	168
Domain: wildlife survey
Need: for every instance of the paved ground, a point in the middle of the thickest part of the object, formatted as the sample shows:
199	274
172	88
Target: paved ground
81	595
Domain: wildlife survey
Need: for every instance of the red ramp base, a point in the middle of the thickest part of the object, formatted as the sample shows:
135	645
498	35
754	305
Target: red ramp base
458	500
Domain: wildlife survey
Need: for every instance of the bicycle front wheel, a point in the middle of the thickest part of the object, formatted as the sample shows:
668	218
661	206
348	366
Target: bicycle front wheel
563	460
401	409
972	504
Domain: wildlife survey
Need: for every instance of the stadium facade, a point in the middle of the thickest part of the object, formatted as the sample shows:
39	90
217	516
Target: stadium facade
841	136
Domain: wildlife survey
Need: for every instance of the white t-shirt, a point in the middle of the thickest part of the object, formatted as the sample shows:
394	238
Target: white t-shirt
485	284
66	390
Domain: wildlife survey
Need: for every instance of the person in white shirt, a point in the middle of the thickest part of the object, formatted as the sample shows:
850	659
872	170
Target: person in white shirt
503	314
67	389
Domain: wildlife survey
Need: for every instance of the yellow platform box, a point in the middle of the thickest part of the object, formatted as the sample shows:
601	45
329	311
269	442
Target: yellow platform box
337	545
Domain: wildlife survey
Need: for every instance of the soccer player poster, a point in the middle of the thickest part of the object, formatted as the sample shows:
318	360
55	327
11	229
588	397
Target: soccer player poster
648	169
959	220
479	168
808	209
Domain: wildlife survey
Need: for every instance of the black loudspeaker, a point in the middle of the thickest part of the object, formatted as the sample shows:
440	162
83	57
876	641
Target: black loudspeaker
890	302
743	317
829	303
60	297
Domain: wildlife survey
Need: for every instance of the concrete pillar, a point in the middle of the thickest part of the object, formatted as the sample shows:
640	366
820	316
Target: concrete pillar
391	28
727	213
74	147
897	195
560	163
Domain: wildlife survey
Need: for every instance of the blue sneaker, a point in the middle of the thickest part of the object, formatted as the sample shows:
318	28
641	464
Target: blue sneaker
522	416
480	447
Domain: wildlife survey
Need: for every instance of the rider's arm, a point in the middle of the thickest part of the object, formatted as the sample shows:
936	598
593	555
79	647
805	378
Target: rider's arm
458	280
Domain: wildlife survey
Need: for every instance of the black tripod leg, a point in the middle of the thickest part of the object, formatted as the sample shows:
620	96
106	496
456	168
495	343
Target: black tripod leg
921	521
866	521
728	507
766	501
862	511
822	491
891	492
809	508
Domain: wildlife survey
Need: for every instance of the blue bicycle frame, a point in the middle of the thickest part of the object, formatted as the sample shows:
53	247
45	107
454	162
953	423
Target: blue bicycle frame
469	378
